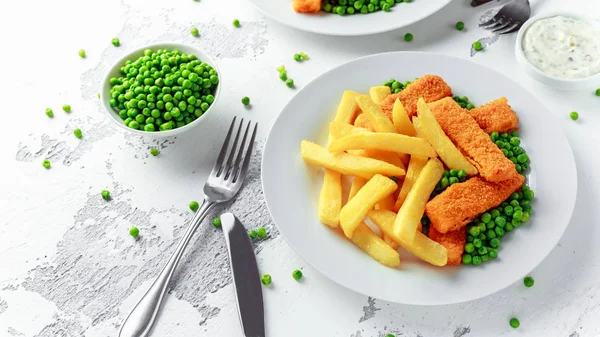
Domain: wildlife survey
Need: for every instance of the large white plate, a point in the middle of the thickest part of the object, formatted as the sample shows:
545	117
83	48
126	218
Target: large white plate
291	187
402	14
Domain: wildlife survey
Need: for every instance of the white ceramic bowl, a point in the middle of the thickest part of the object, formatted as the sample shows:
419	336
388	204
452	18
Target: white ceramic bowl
556	82
114	72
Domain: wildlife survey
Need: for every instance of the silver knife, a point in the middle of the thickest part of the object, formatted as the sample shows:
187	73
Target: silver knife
248	290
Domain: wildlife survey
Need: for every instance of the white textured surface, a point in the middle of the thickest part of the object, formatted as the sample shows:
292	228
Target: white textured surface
67	264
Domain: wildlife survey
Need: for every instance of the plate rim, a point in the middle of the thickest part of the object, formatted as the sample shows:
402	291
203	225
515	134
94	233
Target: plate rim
341	33
571	160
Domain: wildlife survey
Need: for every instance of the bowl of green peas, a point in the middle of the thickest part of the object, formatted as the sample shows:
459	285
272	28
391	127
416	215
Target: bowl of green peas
161	90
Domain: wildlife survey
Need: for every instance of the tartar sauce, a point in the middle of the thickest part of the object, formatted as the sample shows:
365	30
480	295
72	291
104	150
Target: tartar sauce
563	47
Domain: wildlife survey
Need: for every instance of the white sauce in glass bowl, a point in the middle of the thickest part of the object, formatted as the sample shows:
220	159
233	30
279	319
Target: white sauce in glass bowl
563	47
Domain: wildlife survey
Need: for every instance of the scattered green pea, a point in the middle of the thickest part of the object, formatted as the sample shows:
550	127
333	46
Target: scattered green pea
477	46
46	164
262	232
194	205
216	222
246	100
297	275
297	58
134	231
105	195
460	25
116	42
236	23
266	279
597	92
290	83
77	132
574	115
528	281
252	234
82	53
408	37
154	151
66	108
49	112
514	323
195	32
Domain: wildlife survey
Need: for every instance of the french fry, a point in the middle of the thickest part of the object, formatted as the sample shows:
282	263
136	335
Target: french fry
330	200
346	163
388	157
401	120
357	184
378	119
390	242
433	133
341	129
411	211
378	93
391	142
373	245
347	108
362	121
415	166
353	213
422	246
306	6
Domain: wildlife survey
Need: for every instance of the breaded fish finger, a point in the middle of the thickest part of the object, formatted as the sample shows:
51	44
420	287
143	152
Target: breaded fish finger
460	203
453	241
430	87
496	116
466	134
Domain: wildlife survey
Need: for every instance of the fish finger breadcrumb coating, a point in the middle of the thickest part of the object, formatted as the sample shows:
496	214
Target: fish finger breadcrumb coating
496	116
472	141
460	203
430	87
453	241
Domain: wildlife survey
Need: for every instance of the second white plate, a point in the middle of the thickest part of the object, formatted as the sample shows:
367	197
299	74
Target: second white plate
292	187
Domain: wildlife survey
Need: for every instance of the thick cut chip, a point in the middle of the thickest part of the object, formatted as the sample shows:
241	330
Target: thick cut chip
454	243
415	166
378	119
422	247
472	141
356	209
378	93
391	142
496	116
433	133
411	211
357	184
306	6
401	120
390	242
330	200
460	203
430	87
373	245
362	121
346	163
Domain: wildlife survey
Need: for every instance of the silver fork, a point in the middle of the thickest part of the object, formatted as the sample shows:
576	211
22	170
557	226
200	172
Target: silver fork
223	183
509	18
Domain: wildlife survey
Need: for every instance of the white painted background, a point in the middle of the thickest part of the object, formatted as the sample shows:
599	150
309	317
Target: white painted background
67	264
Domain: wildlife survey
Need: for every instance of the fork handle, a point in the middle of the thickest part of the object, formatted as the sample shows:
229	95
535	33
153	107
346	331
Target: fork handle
142	317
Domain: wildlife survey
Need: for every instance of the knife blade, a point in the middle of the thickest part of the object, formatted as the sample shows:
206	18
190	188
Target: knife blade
248	290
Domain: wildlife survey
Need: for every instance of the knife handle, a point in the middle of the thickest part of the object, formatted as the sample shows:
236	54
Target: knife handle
246	279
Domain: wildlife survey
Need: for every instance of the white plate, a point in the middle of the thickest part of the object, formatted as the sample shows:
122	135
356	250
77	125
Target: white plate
291	187
402	14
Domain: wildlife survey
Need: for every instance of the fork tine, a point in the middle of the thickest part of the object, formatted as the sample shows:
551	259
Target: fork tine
217	167
238	160
489	21
503	26
508	29
495	24
242	172
227	167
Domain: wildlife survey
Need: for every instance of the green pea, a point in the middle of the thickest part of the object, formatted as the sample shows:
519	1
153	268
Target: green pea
460	25
486	217
82	53
408	37
476	260
574	115
266	279
49	112
522	158
495	213
500	221
154	151
469	248
493	254
528	195
499	232
444	182
261	232
289	82
495	242
297	275
514	323
528	281
134	231
195	32
597	92
462	175
105	195
453	180
77	132
216	222
194	205
253	234
509	227
477	243
66	108
46	164
477	46
474	231
297	58
467	259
